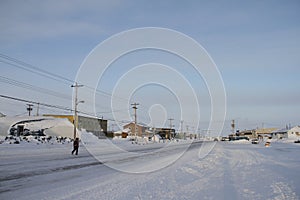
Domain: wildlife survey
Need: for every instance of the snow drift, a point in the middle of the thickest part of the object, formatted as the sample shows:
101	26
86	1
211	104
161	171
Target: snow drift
50	126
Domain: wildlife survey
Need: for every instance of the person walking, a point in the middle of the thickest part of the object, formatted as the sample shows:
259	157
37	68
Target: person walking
75	146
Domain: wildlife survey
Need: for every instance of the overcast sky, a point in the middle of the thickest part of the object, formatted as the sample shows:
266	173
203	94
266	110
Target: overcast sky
255	45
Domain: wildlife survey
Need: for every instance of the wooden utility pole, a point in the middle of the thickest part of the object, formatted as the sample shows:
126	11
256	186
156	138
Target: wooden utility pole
75	120
187	131
38	109
232	126
134	106
181	126
170	135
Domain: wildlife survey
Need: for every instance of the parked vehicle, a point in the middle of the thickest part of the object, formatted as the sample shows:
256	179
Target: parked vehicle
267	144
297	141
224	139
254	141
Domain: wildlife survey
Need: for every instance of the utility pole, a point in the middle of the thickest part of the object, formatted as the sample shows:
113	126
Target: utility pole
29	109
170	127
101	124
187	131
232	126
134	106
76	86
199	133
101	128
38	109
181	127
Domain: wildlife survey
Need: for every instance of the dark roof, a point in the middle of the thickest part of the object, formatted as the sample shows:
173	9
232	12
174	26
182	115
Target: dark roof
283	130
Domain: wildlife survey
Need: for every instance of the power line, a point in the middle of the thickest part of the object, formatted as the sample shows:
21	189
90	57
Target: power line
56	107
33	88
34	102
24	68
33	69
47	74
44	73
45	91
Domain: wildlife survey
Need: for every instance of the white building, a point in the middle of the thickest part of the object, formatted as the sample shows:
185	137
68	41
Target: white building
287	132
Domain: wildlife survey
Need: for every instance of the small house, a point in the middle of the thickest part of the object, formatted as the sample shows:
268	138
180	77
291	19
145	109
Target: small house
286	132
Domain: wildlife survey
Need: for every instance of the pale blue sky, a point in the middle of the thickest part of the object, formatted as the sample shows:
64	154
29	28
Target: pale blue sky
255	44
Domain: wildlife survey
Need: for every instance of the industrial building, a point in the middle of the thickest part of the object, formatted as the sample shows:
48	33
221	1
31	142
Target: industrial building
96	126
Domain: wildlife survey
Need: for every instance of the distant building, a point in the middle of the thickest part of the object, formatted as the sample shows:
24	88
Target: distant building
246	133
96	126
264	132
253	133
286	132
145	131
165	133
140	129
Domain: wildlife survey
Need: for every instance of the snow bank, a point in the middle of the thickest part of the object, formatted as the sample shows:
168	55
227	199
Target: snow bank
34	140
62	128
156	138
51	126
240	142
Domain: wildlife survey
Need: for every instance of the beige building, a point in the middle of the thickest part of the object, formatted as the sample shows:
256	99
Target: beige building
255	133
264	132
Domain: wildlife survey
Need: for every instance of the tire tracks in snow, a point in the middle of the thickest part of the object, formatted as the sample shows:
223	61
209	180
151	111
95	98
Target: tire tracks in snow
254	176
47	171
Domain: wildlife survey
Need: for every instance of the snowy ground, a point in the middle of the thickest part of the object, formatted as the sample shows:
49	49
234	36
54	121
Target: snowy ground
229	171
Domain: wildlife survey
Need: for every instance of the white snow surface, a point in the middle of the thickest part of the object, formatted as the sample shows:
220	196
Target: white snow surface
229	171
52	126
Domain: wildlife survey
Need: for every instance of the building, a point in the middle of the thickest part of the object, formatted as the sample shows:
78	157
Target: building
264	132
140	129
96	126
165	133
145	131
246	133
242	135
286	132
253	133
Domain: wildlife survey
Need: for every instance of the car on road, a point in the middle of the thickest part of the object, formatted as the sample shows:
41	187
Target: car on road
254	141
224	139
267	144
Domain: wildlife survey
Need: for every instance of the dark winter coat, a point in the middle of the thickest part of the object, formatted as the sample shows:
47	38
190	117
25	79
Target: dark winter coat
76	143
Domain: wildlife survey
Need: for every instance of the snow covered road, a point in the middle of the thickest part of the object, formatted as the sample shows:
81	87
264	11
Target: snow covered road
230	171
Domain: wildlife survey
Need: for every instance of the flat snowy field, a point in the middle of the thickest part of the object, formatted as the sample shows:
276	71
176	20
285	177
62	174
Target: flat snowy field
100	171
